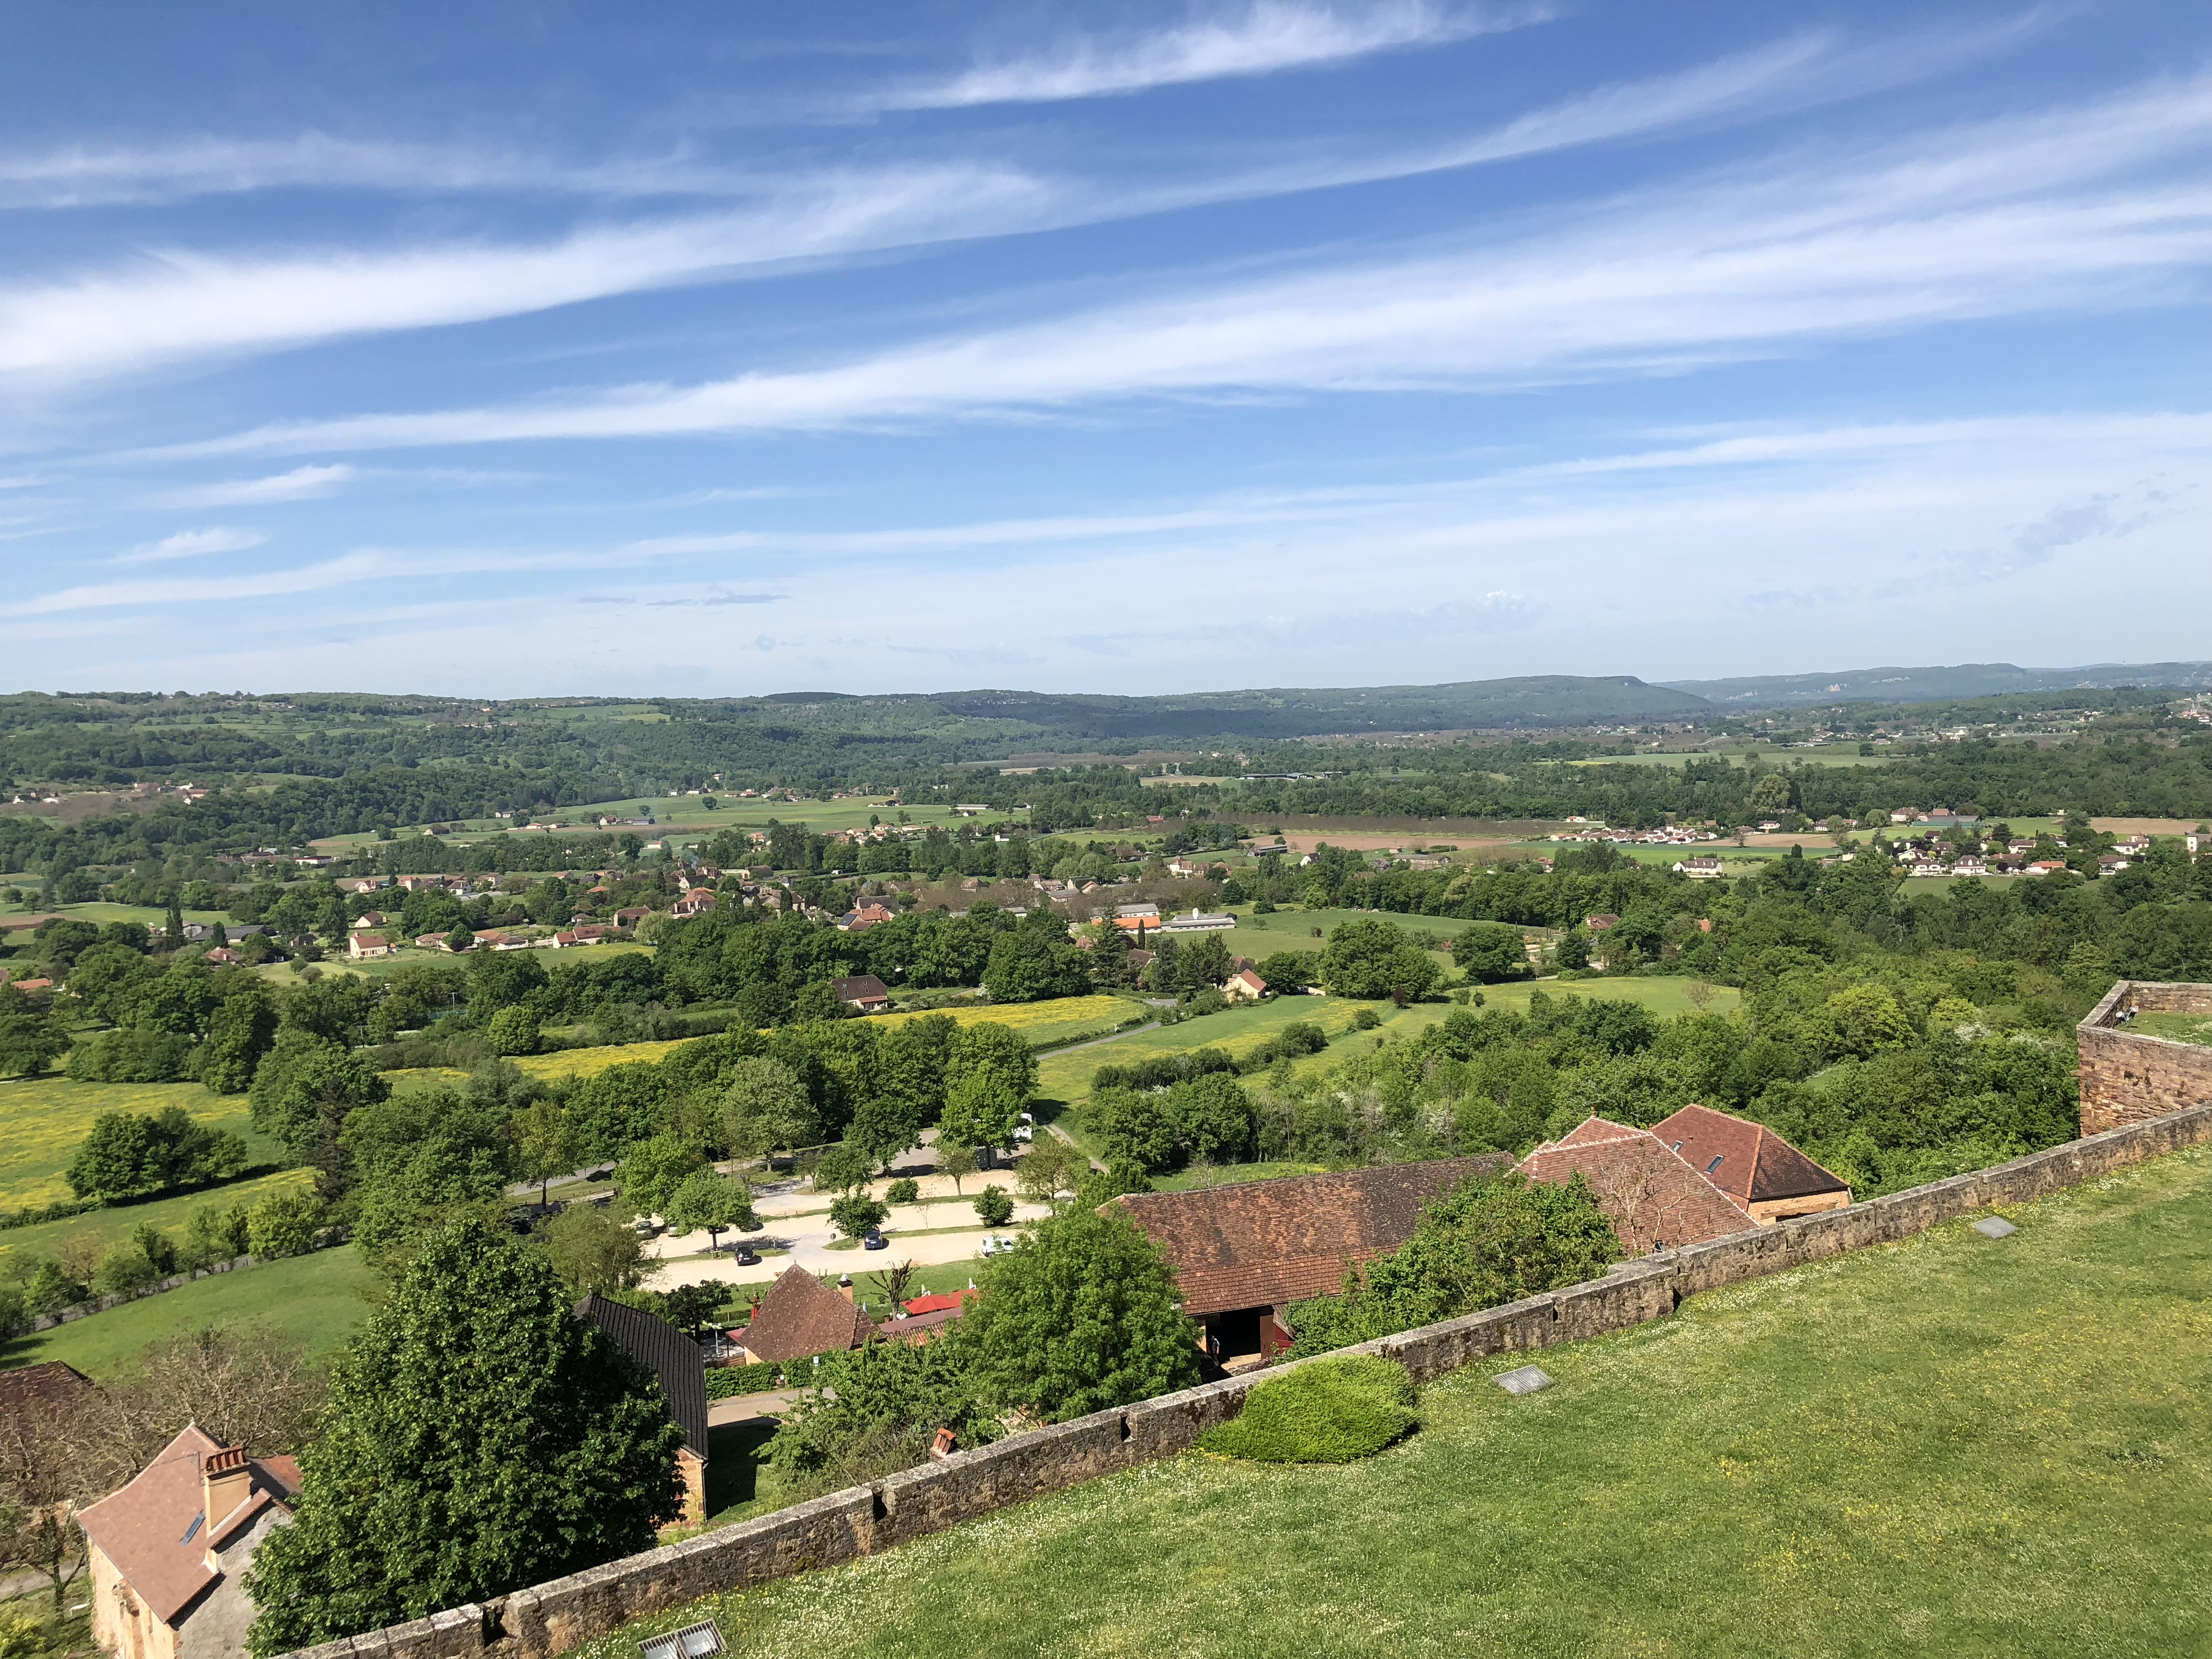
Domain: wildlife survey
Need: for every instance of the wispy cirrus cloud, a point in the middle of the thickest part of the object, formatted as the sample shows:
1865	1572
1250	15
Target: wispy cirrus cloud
1267	37
2089	209
301	484
194	545
164	306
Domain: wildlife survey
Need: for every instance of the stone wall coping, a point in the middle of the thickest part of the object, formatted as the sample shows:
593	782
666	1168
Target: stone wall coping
859	1520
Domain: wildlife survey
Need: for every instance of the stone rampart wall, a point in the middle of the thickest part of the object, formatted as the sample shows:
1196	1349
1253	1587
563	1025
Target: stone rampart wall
2129	1077
550	1619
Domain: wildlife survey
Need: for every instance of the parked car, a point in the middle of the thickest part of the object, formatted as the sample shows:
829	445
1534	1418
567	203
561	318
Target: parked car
1025	1132
875	1242
747	1257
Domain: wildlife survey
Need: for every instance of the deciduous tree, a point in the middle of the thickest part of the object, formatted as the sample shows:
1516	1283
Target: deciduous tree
480	1438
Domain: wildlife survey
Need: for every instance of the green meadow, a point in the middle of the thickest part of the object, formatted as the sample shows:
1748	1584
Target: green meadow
43	1120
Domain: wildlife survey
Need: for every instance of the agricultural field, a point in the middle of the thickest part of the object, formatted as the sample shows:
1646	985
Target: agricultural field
1953	1445
43	1120
1837	755
316	1300
1293	929
1066	1077
94	1232
1039	1023
99	911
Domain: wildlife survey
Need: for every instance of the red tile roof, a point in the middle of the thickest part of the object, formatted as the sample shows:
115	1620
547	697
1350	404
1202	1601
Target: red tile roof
800	1315
54	1384
1260	1244
1654	1199
156	1532
938	1301
1747	1161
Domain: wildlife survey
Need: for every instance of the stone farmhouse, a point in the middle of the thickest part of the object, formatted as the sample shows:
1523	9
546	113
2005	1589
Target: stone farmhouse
168	1551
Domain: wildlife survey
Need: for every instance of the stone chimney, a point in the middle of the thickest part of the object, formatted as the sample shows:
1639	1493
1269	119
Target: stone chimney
225	1479
845	1286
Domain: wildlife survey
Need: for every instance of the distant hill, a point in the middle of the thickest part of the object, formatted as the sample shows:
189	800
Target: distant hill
1971	679
1535	700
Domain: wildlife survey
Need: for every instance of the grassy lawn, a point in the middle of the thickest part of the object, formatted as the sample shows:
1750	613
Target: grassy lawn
1067	1075
1293	929
43	1121
317	1299
100	1229
1950	1446
2175	1028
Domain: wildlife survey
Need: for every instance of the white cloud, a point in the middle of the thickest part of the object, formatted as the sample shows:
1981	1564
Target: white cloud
2010	220
195	543
1268	37
169	306
301	484
310	579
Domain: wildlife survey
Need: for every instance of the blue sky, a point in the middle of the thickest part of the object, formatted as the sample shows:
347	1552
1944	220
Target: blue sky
721	349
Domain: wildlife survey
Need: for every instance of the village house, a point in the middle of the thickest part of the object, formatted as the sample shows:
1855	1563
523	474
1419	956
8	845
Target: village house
696	902
864	914
362	946
370	918
588	932
1655	1198
864	992
1698	869
1244	986
1601	922
632	916
674	1358
1243	1253
168	1551
1762	1173
801	1316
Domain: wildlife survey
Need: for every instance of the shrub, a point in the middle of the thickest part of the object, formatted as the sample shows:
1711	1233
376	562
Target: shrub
853	1214
994	1207
903	1191
128	1154
514	1031
123	1270
1366	1020
1331	1410
284	1224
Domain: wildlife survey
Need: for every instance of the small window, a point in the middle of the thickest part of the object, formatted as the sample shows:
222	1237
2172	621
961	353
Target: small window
193	1531
1714	1165
692	1641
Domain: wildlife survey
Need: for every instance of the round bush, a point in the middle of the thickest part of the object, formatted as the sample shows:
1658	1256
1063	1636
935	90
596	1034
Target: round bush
1327	1411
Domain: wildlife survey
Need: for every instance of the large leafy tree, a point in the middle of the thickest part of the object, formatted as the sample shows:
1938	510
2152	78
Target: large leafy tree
239	1032
1081	1314
129	1154
991	1074
479	1438
1493	1239
1369	957
307	1086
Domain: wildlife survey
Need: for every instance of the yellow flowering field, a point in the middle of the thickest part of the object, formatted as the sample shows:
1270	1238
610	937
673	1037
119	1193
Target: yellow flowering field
562	1063
44	1120
1038	1022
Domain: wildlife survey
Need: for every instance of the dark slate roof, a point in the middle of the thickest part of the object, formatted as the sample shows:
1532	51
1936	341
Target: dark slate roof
1260	1244
858	987
1747	1161
671	1356
800	1317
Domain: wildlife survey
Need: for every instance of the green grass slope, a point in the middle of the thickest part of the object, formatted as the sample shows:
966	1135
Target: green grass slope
317	1299
1952	1446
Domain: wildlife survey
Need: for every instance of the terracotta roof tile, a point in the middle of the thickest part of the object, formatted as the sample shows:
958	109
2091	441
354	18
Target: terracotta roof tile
1260	1244
801	1315
155	1530
1654	1199
1747	1161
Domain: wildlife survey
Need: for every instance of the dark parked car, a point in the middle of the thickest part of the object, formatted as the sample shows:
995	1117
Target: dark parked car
748	1256
875	1242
